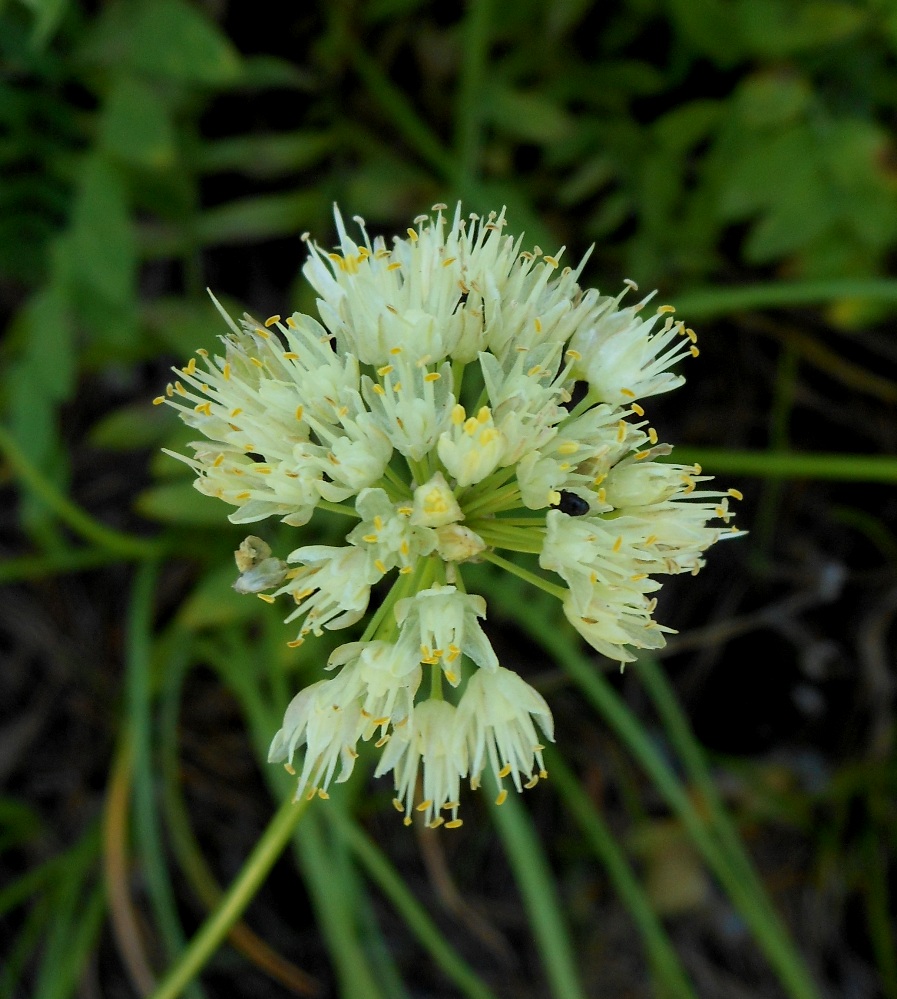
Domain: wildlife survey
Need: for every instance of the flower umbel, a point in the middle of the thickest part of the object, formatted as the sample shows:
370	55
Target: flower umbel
432	403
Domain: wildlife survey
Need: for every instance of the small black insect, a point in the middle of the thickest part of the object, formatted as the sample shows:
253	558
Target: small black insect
572	505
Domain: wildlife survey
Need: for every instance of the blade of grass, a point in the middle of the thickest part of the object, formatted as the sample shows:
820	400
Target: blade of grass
705	302
670	979
534	880
331	895
187	850
147	834
390	882
792	465
67	511
754	907
470	99
241	892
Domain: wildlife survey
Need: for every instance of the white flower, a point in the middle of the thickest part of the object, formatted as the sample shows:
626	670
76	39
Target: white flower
326	717
433	738
496	715
473	447
436	404
389	534
440	624
331	589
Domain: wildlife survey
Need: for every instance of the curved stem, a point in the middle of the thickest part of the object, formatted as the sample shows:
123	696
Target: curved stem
238	896
69	512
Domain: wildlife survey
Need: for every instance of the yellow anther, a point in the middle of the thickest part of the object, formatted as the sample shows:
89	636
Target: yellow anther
664	309
290	769
459	414
380	566
641	455
471	426
424	805
296	642
621	431
736	494
628	393
502	797
397	805
406	569
454	824
650	539
537	326
202	352
551	261
436	823
300	412
652	435
289	355
203	407
618	544
412	235
242	496
179	388
694	351
158	400
266	597
225	372
568	447
637	409
385	370
217	461
432	376
191	366
291	323
505	770
256	362
485	414
448	261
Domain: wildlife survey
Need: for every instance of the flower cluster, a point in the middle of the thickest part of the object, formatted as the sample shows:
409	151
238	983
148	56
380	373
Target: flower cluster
456	396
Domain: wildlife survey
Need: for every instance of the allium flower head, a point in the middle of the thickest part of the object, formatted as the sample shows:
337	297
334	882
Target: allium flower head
457	398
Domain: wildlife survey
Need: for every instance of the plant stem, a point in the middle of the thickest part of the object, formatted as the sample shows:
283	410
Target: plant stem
203	946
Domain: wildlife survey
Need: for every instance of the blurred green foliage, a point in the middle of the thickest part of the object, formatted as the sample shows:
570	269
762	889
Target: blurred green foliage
151	147
690	140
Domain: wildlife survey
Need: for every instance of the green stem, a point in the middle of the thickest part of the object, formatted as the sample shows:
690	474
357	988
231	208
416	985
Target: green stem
69	512
536	884
530	577
470	101
146	812
704	302
669	974
789	465
416	918
753	904
238	896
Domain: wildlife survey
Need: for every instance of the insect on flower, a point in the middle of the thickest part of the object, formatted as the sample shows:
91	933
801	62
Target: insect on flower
430	403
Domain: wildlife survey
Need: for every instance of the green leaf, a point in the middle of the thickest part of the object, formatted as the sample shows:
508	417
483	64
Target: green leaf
265	155
782	27
101	241
138	425
214	602
179	503
772	98
802	212
135	125
183	326
48	14
530	116
168	39
251	219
